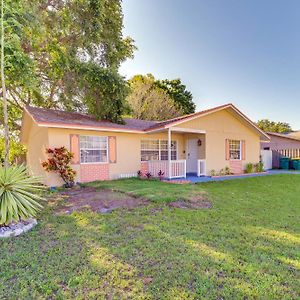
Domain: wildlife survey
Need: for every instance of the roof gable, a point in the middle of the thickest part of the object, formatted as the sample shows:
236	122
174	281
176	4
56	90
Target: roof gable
229	107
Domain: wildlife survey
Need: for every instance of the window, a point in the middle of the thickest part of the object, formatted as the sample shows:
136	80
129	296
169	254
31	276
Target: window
157	150
234	149
93	149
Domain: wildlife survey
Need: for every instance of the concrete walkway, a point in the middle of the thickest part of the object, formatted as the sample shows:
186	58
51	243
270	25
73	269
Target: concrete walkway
196	179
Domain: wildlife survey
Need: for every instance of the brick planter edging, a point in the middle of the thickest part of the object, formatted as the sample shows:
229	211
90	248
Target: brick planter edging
16	229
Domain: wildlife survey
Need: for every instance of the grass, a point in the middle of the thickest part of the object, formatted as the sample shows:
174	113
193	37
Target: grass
245	247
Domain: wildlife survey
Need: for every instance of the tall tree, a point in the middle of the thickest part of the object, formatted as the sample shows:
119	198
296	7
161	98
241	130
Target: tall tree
54	46
271	126
183	98
149	102
5	112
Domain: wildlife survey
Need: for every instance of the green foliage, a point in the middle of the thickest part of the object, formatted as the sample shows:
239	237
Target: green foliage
259	167
59	162
222	172
113	87
213	173
16	150
19	195
249	168
147	101
227	171
271	126
183	99
45	42
233	251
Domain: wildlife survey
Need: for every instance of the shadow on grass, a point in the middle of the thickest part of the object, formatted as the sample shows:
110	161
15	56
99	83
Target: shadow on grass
237	250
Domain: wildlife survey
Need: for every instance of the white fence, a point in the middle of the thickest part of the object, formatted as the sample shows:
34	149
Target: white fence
267	159
201	167
178	168
291	153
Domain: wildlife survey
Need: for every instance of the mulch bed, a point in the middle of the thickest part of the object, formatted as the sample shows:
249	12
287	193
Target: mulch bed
105	201
102	201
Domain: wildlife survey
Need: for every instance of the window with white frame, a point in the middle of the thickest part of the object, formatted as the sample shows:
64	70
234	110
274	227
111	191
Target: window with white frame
157	150
93	149
235	149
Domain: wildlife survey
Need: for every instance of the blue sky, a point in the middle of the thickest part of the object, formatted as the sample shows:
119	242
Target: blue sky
245	52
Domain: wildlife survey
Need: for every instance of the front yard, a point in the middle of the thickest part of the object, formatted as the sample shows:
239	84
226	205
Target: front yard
247	246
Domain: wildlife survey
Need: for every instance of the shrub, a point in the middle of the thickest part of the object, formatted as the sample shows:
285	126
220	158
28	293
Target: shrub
213	173
161	174
259	167
148	175
249	168
222	172
227	171
140	174
59	162
19	195
16	150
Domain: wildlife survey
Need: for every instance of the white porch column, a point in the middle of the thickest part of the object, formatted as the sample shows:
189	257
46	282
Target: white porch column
169	152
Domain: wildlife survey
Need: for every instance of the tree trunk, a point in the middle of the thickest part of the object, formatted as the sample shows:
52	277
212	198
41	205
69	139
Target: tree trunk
6	130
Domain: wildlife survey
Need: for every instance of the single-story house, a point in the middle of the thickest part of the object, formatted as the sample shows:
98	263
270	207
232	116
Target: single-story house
295	134
197	143
281	141
282	144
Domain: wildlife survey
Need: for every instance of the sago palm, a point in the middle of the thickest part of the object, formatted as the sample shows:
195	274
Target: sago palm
19	195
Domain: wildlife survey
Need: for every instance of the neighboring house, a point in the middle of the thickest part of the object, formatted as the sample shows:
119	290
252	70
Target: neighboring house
281	141
295	134
197	143
282	144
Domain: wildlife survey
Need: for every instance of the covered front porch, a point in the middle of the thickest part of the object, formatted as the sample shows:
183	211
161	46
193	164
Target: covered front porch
184	155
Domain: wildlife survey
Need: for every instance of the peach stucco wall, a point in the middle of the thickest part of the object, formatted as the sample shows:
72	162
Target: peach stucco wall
128	149
220	126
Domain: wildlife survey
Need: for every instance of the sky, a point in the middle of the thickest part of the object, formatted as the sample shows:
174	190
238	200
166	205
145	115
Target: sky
242	51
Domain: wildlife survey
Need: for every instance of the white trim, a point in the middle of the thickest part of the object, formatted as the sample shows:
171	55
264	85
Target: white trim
200	171
95	162
169	153
241	150
159	148
89	128
179	129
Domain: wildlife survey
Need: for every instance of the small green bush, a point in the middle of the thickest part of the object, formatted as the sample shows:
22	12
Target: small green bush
227	171
249	168
259	167
222	172
19	195
213	173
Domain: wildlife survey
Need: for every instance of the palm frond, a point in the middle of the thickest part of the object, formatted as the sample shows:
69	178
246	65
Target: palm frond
19	194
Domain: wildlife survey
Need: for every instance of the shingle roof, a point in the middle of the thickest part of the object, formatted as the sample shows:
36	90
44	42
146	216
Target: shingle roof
284	135
58	117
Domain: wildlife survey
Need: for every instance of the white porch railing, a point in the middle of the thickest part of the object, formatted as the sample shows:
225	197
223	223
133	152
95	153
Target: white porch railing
177	168
154	166
201	167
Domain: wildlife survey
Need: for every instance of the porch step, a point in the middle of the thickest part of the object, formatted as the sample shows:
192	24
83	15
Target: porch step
191	174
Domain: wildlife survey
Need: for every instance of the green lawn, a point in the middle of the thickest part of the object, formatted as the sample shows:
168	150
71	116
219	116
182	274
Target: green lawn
246	247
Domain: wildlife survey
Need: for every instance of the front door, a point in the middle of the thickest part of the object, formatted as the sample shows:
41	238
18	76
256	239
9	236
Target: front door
192	156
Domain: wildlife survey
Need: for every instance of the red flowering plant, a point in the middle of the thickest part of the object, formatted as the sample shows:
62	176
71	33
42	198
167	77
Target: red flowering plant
59	162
